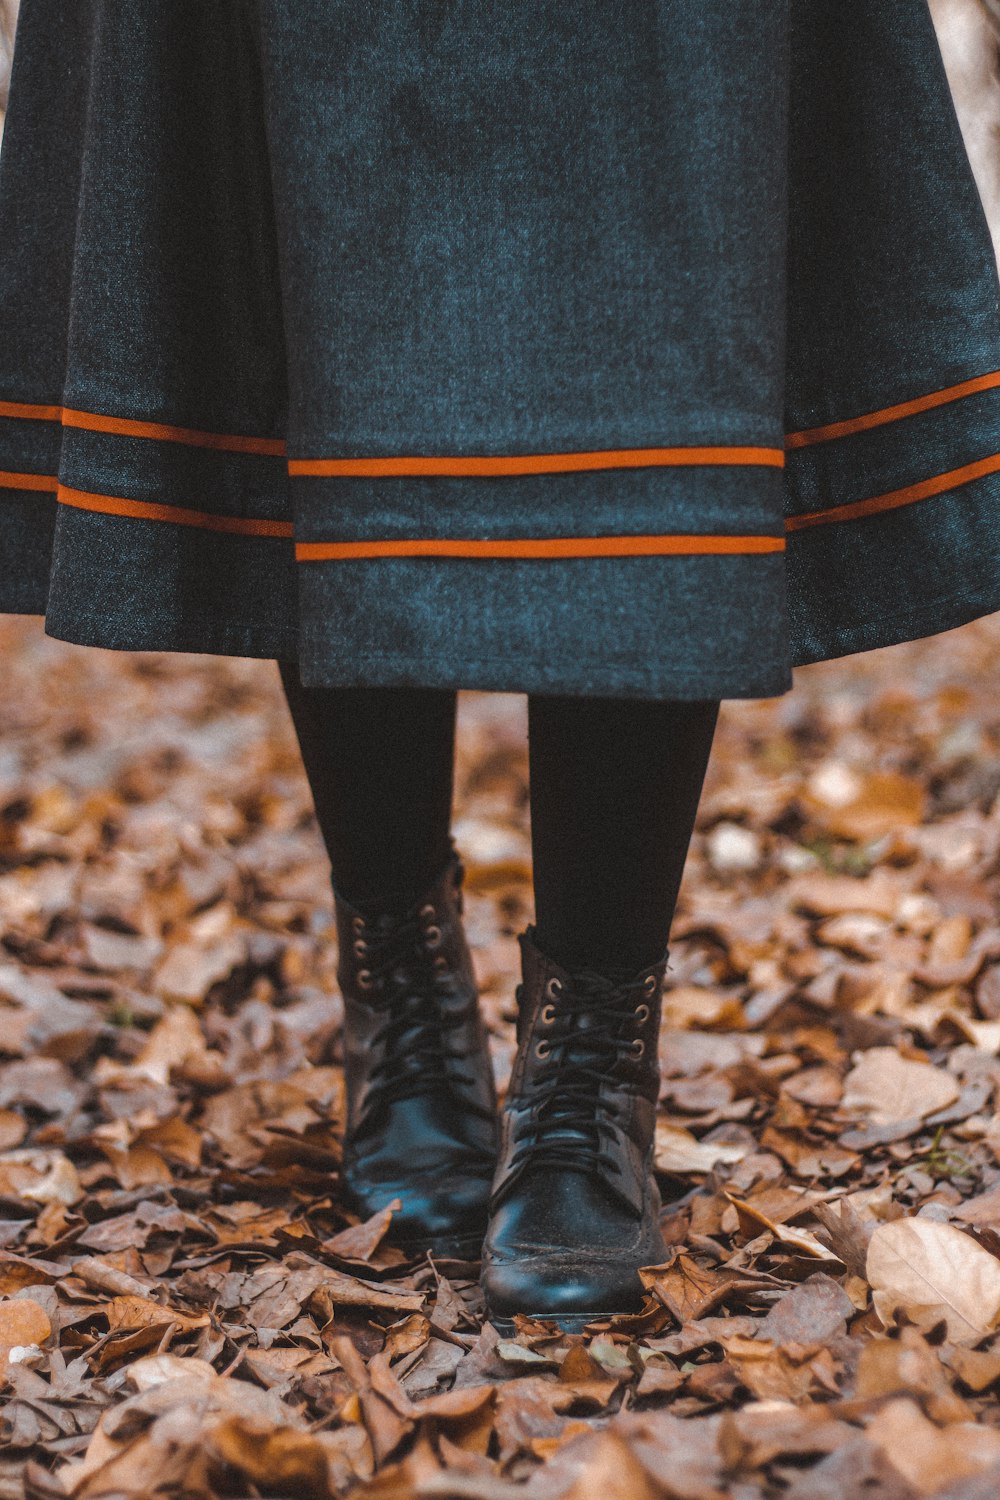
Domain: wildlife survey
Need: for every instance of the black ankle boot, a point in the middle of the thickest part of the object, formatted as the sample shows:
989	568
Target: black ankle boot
421	1104
575	1209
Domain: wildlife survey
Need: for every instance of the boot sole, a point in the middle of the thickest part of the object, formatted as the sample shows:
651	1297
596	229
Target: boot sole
565	1322
468	1249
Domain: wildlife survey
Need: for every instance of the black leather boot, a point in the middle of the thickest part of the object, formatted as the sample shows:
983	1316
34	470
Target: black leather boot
421	1103
575	1208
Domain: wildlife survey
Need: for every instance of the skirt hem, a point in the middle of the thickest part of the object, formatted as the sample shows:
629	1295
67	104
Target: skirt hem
878	634
236	640
396	669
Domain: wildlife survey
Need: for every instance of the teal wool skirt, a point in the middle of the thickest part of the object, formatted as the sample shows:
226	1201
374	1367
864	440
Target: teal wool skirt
644	349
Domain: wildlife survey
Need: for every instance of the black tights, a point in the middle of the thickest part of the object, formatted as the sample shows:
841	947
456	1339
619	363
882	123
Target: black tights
614	790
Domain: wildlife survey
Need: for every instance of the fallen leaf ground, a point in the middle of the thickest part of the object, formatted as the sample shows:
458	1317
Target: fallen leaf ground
185	1310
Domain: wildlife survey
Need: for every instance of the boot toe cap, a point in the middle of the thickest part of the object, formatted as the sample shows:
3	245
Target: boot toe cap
446	1214
571	1290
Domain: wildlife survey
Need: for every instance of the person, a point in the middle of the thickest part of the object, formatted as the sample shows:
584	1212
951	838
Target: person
623	356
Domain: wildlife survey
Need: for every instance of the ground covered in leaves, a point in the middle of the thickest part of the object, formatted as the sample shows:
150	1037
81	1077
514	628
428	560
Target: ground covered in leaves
185	1310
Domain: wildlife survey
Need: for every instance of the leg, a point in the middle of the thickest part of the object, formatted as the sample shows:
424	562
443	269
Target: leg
421	1107
380	762
614	791
575	1206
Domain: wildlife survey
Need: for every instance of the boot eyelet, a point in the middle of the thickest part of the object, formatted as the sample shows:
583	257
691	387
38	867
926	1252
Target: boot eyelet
542	1050
365	980
432	937
638	1047
360	948
641	1015
358	923
441	964
428	913
553	989
547	1015
649	984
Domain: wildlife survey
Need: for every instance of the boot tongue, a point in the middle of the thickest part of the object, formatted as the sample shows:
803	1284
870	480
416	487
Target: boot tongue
587	1042
383	923
611	977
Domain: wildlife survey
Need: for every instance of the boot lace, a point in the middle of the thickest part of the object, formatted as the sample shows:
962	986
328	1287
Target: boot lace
570	1122
407	981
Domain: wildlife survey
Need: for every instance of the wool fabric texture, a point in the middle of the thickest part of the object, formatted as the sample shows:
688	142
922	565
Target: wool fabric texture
644	349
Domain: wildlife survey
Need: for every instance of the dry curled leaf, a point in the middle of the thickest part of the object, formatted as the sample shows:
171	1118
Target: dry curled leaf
933	1272
23	1326
931	1457
40	1177
677	1150
156	1369
752	1221
360	1241
888	1089
125	1313
867	807
294	1462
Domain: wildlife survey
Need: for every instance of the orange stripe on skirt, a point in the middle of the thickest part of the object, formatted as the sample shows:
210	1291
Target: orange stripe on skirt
500	464
191	437
541	547
21	411
895	499
9	481
144	510
810	435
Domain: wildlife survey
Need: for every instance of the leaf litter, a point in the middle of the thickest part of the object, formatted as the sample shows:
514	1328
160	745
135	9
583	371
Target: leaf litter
185	1308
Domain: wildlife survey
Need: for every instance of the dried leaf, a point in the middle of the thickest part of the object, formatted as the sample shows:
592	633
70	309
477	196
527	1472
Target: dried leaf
141	1312
888	1089
931	1457
677	1150
608	1470
23	1326
753	1220
876	805
908	1364
360	1241
813	1313
933	1272
156	1369
976	1368
293	1462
